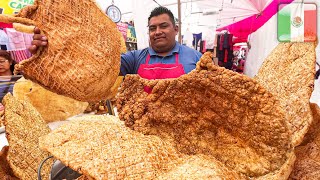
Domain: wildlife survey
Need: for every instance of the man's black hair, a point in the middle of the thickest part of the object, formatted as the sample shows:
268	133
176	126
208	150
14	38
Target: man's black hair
161	10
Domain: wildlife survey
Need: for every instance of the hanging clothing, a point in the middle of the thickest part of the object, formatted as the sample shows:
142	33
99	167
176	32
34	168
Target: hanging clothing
224	50
188	38
18	40
209	35
16	43
3	40
27	39
202	47
196	39
20	55
227	41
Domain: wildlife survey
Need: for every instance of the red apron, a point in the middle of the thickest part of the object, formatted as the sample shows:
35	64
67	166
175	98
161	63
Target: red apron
160	71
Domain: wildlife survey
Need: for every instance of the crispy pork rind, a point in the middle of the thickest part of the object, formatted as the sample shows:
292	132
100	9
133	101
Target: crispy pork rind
288	73
5	170
307	165
24	126
123	48
23	28
216	112
51	106
82	58
102	147
83	177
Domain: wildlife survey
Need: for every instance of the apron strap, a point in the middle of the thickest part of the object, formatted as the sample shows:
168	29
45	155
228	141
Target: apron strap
148	59
177	58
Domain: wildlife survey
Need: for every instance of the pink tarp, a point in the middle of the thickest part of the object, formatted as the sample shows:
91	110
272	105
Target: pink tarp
243	28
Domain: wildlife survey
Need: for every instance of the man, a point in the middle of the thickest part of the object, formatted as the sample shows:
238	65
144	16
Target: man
165	58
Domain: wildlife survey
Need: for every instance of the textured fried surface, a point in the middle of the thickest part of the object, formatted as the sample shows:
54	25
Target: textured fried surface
24	126
82	59
314	129
211	111
103	148
23	28
1	118
201	167
51	106
114	89
5	170
288	73
123	48
307	165
83	178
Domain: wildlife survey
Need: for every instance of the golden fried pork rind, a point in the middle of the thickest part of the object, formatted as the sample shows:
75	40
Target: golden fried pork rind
51	106
24	126
101	147
23	28
307	165
288	73
123	48
212	111
114	89
82	58
83	177
5	170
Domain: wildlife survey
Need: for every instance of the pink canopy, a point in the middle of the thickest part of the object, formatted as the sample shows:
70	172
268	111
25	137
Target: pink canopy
243	25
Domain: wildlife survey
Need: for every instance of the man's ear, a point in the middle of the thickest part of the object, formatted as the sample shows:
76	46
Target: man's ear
176	28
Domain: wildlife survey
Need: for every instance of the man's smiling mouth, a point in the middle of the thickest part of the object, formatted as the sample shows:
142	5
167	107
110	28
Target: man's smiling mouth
158	38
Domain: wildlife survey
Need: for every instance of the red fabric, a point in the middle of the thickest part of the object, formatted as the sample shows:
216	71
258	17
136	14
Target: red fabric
6	25
225	56
230	41
221	41
204	49
243	28
160	71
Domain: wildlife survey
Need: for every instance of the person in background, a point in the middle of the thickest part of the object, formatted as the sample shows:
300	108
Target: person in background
5	64
7	79
164	58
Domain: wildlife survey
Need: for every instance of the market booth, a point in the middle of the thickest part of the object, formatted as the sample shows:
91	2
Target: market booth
249	110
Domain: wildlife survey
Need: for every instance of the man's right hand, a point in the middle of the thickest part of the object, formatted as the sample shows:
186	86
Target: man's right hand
38	41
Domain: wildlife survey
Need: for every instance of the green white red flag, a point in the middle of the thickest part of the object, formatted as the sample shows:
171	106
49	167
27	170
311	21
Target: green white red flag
297	22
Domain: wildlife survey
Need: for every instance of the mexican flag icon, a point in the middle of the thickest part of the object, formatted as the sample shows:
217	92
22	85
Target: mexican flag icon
297	22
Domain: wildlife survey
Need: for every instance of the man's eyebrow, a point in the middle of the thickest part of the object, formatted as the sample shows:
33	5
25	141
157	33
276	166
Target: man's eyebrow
164	23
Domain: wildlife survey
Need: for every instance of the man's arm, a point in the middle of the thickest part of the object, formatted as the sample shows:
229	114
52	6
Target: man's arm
128	63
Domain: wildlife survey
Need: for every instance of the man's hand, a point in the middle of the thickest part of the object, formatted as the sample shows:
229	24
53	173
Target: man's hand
38	41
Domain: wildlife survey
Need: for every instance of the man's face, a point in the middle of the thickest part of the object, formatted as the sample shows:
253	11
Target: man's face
162	33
